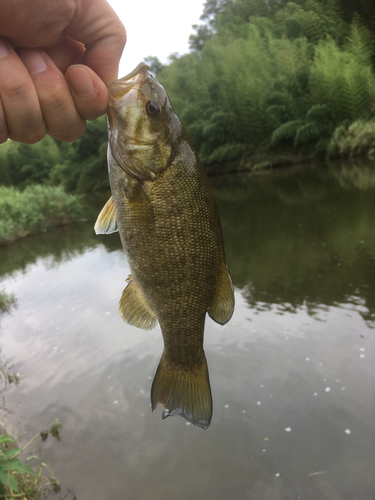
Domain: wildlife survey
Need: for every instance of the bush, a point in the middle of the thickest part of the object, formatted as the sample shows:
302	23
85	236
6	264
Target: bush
353	140
36	209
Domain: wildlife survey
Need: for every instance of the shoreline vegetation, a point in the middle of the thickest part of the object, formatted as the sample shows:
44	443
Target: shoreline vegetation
34	210
275	82
266	84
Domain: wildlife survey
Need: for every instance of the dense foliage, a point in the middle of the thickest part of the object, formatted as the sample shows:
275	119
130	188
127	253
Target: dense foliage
264	78
80	166
34	210
268	76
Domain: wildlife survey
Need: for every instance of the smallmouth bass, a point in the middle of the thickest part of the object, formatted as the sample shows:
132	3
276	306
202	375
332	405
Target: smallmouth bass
164	209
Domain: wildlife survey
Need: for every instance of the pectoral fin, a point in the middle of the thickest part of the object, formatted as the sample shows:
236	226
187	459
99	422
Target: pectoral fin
134	308
106	222
222	306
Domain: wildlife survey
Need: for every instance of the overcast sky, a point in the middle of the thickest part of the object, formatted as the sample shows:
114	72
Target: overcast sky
155	28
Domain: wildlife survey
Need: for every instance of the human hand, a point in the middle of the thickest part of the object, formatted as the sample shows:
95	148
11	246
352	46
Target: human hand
40	42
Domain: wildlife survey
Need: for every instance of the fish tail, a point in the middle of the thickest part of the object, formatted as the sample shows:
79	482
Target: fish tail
183	391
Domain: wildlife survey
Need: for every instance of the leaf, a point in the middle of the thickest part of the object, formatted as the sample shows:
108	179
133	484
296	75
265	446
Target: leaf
13	483
286	132
3	477
55	429
8	454
15	465
44	435
5	438
319	112
7	479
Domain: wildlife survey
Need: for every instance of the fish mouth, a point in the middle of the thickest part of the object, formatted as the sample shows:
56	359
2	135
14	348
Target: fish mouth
123	91
134	146
118	88
123	94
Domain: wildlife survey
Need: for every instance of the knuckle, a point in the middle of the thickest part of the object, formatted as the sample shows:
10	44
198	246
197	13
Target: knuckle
117	33
122	35
63	120
17	90
55	97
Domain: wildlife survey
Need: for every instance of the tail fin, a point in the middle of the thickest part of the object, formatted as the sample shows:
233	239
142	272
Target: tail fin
183	392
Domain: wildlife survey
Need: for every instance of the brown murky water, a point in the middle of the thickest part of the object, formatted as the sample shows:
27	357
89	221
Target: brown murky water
292	374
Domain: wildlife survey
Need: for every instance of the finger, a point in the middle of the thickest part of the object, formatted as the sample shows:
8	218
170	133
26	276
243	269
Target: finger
3	125
65	53
60	114
96	25
89	92
21	111
37	23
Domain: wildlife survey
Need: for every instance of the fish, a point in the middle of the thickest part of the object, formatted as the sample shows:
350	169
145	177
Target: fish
164	209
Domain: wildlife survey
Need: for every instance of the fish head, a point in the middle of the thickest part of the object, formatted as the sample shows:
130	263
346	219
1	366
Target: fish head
144	130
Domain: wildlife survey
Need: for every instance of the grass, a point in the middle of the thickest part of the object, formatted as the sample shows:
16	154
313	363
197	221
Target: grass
34	210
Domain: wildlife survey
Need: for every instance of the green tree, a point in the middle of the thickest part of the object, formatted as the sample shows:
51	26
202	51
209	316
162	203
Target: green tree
85	166
24	164
271	76
363	8
154	64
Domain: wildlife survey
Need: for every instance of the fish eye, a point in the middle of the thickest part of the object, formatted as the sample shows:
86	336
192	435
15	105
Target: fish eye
152	109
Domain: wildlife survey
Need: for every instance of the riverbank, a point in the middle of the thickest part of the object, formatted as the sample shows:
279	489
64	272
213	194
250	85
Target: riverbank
34	210
260	162
356	140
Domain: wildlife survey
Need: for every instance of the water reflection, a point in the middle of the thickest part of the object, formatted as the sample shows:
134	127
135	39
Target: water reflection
60	245
302	236
292	373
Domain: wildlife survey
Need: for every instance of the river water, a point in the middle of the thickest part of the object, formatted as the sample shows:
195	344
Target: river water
292	374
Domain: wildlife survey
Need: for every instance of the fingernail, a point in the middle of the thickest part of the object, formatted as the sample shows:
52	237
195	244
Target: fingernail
79	78
4	51
33	60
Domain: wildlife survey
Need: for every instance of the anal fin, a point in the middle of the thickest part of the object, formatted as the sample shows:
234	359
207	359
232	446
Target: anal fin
134	308
222	307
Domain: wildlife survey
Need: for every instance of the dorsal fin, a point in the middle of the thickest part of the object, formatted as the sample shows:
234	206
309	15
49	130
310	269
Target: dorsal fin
106	222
